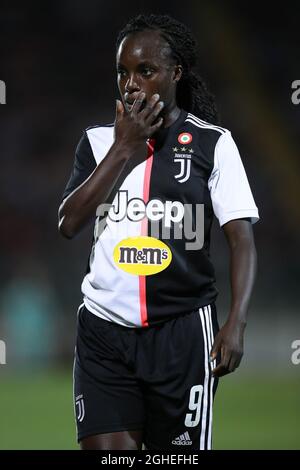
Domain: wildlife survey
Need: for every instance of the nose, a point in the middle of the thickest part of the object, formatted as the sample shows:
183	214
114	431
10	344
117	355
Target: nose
132	85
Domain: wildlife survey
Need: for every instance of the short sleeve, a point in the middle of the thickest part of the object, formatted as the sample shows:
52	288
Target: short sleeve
84	165
228	184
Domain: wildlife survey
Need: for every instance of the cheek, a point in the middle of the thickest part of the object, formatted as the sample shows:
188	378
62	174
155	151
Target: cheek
150	89
162	89
120	84
167	93
167	89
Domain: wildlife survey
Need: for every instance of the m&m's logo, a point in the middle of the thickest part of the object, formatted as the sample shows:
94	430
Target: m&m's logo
142	256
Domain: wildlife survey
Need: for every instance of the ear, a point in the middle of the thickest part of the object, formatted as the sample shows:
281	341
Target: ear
177	73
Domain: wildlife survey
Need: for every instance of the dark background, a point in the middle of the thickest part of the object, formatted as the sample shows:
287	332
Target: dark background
58	62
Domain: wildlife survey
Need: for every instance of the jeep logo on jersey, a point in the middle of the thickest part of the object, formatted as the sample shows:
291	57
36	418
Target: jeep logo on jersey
136	209
185	138
166	220
142	255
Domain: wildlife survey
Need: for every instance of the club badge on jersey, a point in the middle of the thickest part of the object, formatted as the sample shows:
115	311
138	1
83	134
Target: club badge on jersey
183	156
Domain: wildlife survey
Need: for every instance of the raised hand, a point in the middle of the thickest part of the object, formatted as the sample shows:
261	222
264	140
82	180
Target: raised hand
135	126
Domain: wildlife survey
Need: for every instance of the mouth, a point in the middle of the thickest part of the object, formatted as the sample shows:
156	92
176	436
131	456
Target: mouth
128	106
130	102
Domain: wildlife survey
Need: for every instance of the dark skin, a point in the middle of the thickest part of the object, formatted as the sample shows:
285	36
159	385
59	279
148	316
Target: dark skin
147	81
243	266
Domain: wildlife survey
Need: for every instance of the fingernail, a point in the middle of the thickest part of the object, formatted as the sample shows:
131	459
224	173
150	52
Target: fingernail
161	103
156	96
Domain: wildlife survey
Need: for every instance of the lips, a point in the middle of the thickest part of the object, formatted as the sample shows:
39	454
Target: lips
130	99
128	107
129	104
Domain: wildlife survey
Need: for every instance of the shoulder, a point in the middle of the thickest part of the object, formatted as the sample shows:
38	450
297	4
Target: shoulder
100	139
204	126
205	131
95	133
99	126
100	131
210	138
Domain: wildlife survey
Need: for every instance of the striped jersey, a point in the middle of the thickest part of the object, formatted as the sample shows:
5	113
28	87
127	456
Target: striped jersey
150	258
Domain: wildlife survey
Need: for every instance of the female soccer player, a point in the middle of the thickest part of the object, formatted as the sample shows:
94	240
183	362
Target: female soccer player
149	351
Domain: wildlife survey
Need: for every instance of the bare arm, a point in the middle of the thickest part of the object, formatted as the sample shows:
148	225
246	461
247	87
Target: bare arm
243	265
131	132
77	209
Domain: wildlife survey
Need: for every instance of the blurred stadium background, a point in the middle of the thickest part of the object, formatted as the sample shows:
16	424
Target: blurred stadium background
57	60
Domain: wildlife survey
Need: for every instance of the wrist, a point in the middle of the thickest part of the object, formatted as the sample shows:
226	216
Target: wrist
122	150
237	320
128	146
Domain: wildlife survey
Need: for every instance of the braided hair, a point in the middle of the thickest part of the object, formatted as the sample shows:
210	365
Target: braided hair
192	93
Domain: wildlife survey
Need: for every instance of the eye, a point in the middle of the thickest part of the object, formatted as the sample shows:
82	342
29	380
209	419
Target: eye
121	72
147	72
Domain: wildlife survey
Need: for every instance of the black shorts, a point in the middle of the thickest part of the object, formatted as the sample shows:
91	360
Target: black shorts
155	379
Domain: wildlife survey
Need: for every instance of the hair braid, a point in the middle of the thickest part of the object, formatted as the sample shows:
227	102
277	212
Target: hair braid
192	93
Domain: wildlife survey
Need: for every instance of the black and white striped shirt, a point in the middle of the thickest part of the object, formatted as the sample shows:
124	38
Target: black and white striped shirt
145	266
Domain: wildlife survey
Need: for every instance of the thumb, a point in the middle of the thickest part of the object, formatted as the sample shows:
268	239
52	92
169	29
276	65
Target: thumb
215	349
119	109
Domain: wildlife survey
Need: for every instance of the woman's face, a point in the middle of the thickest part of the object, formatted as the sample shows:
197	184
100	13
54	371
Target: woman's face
144	64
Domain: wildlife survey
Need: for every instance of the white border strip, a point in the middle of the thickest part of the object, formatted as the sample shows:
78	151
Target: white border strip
205	386
198	122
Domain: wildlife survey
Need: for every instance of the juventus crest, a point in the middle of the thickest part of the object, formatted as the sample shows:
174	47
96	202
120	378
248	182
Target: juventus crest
80	412
184	161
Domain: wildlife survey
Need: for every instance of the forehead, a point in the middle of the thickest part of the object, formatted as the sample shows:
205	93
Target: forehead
143	46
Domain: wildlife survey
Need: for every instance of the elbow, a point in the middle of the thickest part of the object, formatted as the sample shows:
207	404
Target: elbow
246	250
69	224
65	226
65	232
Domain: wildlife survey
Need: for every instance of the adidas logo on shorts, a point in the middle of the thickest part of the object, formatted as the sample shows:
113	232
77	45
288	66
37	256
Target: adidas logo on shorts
182	440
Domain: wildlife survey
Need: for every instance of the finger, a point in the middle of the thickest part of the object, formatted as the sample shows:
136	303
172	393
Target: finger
150	106
222	367
156	126
220	370
232	364
235	362
154	113
225	357
119	110
138	103
215	349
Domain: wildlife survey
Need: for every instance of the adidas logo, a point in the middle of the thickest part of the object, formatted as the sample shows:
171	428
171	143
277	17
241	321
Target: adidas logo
182	440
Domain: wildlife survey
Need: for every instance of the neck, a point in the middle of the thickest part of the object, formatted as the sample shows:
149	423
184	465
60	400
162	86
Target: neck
170	116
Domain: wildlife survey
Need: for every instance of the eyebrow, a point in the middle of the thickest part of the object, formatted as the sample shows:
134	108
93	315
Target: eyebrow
145	63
